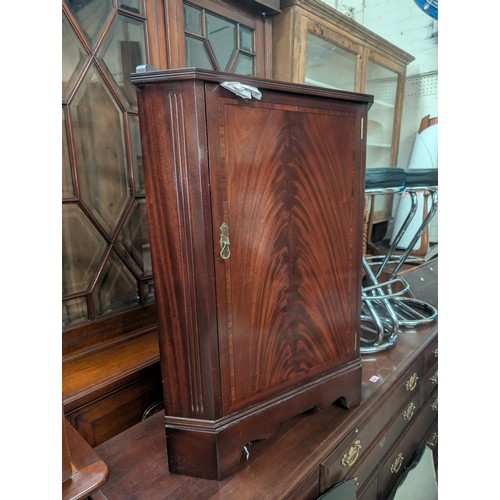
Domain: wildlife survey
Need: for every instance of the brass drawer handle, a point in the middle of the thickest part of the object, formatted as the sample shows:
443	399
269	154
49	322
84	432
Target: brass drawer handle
435	352
434	378
411	383
225	252
397	463
352	455
434	405
432	441
409	412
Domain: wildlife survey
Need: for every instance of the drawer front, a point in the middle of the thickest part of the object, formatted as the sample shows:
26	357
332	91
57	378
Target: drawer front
386	439
429	382
403	418
431	356
429	411
430	378
357	452
404	450
369	490
432	442
116	412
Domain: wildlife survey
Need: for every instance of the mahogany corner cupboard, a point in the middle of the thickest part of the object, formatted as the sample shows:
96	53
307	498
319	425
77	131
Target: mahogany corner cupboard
255	211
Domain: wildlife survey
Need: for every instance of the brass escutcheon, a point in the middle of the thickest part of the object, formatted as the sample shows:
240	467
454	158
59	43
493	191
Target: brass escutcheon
434	405
434	378
225	252
409	412
411	383
352	455
397	463
432	441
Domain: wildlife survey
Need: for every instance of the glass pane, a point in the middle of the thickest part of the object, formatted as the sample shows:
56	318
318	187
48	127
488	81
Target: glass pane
115	289
134	239
123	50
192	19
222	37
74	312
135	141
197	55
382	84
131	5
244	65
82	250
246	39
91	16
67	179
74	56
100	150
328	65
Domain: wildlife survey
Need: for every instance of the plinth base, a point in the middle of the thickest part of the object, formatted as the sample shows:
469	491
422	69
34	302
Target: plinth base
213	449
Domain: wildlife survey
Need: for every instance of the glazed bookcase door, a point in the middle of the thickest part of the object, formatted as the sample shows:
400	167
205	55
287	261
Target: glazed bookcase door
106	264
328	60
215	41
383	125
287	293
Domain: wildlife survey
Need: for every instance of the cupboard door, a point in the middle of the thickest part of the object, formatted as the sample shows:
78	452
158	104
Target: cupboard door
286	180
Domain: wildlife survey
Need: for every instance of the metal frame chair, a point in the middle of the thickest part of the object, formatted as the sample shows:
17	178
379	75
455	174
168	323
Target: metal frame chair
379	321
410	311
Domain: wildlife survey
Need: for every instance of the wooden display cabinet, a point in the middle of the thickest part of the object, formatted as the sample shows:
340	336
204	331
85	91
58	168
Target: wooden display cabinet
315	44
255	219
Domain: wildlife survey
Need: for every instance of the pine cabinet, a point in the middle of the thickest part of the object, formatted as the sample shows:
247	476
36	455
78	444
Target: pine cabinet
315	44
255	217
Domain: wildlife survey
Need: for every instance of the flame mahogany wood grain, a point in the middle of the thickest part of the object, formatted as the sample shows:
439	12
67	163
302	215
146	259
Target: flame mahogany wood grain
251	341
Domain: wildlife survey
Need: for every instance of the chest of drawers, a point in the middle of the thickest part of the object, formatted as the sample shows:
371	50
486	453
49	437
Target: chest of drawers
378	450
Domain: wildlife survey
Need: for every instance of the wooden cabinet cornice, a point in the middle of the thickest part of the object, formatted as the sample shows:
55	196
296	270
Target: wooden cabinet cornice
329	18
255	212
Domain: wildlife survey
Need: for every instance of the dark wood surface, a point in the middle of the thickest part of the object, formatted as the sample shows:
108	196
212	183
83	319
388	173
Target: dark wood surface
86	378
137	458
107	331
183	74
83	469
248	342
107	390
291	198
110	373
